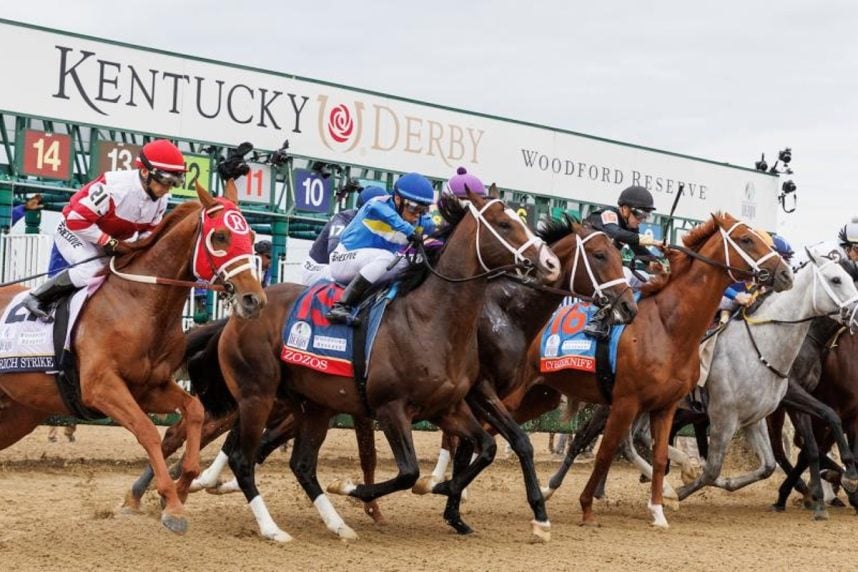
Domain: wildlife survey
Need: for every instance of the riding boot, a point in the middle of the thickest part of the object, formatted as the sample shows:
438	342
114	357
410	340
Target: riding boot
598	326
43	295
341	312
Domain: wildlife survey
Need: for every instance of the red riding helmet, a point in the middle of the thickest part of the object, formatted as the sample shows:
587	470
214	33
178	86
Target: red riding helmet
161	155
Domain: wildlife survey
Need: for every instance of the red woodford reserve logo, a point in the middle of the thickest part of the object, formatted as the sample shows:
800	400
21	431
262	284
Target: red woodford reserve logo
342	128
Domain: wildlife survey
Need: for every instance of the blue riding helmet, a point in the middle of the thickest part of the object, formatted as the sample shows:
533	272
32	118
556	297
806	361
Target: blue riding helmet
369	193
415	187
783	248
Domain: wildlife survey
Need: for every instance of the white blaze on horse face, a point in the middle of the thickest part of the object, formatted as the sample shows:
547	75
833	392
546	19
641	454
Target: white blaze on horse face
546	257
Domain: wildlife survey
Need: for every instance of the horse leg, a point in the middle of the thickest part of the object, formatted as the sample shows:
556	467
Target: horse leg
659	425
108	393
461	422
365	435
312	428
424	485
701	435
583	437
757	435
719	440
17	421
620	419
278	430
811	449
631	453
798	398
173	439
252	415
396	425
485	402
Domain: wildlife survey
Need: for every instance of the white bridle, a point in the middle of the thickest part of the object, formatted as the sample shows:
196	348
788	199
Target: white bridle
533	240
597	287
755	264
841	304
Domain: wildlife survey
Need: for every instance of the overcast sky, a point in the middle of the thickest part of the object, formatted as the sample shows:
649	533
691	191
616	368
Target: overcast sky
724	82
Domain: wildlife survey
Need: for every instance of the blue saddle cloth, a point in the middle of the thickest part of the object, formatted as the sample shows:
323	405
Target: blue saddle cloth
310	340
565	346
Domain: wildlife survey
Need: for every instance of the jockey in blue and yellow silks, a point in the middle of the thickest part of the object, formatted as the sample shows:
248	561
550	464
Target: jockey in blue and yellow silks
369	246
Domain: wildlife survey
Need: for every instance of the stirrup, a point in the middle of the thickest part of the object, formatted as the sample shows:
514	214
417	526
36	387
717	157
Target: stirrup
597	330
342	315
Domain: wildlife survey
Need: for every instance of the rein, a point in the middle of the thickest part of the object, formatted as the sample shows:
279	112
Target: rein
145	279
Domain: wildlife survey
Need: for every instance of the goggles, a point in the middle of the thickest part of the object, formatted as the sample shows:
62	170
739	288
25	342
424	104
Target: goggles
641	214
414	208
166	178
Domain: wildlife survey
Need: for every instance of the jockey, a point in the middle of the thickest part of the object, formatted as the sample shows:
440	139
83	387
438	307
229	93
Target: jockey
848	239
263	251
621	223
316	265
369	248
117	206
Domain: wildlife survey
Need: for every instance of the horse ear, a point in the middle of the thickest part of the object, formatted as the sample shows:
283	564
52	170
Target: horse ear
493	192
810	255
204	196
573	224
230	192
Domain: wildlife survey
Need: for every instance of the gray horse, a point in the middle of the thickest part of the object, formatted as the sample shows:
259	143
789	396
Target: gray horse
751	363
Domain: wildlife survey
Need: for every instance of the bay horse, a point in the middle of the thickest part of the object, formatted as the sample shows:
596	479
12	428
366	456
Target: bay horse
658	361
424	363
128	339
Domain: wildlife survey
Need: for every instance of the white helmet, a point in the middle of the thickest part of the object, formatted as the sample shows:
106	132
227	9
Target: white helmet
849	233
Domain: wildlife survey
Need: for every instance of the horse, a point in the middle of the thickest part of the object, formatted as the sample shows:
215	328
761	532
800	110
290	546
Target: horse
411	375
591	267
824	369
658	361
124	382
751	363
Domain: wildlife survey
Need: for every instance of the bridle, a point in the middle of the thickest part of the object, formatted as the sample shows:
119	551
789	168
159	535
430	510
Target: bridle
519	261
600	298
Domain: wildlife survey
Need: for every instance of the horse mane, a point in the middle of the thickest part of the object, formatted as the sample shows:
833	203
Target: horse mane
453	212
551	230
170	221
679	262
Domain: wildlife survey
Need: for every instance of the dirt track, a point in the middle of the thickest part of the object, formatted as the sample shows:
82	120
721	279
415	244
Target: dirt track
58	513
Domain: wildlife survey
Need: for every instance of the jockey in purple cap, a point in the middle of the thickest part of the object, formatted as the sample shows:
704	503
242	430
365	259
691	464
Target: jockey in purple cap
456	184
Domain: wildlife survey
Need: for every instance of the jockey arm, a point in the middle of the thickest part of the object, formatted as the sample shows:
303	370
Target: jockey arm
86	208
384	212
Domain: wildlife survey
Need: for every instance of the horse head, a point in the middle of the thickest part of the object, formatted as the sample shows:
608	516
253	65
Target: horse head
592	266
833	290
745	254
224	250
502	239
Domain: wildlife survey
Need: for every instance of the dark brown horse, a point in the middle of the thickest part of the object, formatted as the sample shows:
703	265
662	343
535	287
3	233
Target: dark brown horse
591	267
129	379
658	359
424	363
837	389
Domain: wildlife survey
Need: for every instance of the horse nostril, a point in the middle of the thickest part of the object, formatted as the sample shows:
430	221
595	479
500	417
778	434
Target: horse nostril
249	300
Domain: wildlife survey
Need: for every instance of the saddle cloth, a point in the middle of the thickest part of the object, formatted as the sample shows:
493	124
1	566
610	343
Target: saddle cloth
26	342
310	340
565	346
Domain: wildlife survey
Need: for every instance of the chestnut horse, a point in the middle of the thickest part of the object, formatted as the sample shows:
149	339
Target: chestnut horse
129	379
424	363
658	360
591	267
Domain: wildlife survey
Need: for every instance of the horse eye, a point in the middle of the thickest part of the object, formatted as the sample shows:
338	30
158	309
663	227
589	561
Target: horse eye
220	236
504	225
600	256
836	280
746	240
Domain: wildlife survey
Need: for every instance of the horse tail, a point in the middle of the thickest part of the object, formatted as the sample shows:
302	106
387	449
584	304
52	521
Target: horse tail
207	381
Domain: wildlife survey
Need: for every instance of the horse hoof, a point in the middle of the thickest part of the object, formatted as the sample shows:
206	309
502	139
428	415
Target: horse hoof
226	488
672	504
778	508
126	510
850	485
547	492
590	523
278	536
540	533
820	515
346	533
424	486
372	511
341	487
837	503
176	524
662	525
460	527
131	505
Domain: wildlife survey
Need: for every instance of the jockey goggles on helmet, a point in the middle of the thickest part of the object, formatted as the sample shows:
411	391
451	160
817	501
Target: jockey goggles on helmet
641	214
176	180
413	207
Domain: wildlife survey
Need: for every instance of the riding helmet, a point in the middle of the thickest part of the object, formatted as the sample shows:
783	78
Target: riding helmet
457	183
637	197
415	187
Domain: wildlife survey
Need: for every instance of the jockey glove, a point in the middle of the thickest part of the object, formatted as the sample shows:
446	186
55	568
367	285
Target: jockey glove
112	247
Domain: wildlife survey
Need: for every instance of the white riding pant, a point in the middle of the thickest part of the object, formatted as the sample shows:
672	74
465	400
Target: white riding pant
74	249
633	280
312	272
371	263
